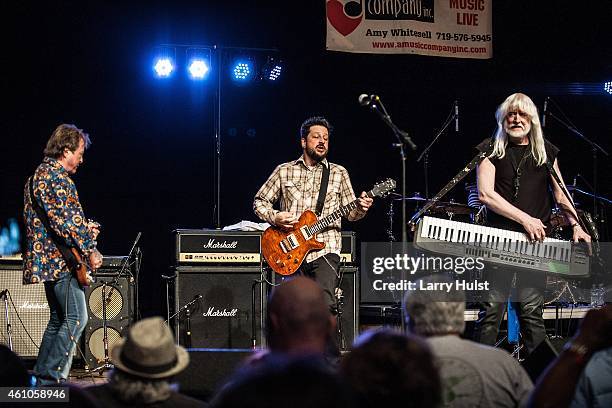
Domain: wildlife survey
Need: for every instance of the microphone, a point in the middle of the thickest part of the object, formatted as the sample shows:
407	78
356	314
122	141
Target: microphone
198	296
367	100
544	112
456	116
3	293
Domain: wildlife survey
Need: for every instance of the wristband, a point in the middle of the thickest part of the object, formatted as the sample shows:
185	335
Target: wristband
580	351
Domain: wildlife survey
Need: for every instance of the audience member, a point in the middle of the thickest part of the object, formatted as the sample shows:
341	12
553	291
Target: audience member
12	371
585	361
145	362
389	369
472	374
284	380
298	320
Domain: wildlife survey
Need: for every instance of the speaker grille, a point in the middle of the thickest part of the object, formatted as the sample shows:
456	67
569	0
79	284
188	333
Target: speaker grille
114	302
96	341
30	303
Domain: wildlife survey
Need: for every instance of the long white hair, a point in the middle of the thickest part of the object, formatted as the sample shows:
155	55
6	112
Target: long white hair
522	102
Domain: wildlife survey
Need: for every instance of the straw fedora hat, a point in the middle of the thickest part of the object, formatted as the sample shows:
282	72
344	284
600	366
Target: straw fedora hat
149	351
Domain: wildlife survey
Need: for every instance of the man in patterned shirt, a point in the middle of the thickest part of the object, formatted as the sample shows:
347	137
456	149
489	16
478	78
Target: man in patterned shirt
56	194
296	186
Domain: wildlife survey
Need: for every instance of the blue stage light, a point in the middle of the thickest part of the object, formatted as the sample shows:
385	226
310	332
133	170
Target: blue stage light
608	87
242	70
272	69
198	68
198	62
163	67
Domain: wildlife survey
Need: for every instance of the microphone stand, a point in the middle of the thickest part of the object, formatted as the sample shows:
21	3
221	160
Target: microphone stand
403	140
9	330
594	149
425	154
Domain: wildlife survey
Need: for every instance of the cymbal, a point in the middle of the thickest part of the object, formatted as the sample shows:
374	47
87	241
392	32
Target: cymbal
398	197
454	208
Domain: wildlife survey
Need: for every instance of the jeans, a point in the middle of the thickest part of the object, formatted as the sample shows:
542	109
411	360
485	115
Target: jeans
68	319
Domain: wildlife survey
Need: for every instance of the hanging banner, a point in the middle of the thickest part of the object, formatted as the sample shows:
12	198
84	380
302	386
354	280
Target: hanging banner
442	28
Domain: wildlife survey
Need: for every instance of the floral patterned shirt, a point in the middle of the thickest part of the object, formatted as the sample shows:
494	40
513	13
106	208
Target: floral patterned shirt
57	195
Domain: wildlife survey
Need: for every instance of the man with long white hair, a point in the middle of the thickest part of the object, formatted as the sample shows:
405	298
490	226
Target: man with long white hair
514	184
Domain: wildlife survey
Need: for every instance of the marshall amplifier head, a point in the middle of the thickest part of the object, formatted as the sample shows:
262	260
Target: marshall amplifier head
348	253
209	246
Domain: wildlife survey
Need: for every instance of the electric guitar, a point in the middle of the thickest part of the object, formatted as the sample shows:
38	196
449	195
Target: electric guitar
81	269
285	249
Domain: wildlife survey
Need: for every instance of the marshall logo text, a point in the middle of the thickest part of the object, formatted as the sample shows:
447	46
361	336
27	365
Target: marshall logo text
211	312
220	245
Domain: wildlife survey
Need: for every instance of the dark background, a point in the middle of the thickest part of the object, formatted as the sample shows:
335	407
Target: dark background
151	166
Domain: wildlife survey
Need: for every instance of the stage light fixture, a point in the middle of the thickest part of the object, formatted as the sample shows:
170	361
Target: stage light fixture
608	87
272	69
243	69
164	62
198	63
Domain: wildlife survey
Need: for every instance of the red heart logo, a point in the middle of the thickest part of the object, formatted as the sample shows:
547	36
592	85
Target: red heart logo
339	20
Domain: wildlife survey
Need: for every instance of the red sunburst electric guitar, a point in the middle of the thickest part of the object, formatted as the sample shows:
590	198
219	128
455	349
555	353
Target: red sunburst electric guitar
285	249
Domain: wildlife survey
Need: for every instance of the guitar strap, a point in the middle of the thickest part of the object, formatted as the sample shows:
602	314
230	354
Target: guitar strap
68	256
323	189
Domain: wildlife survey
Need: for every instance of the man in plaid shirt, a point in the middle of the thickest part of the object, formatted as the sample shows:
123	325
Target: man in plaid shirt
296	184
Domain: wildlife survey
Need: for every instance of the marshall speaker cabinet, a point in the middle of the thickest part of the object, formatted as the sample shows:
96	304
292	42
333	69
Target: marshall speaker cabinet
28	311
219	306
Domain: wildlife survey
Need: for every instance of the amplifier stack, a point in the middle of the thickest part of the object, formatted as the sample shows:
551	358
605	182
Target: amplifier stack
221	284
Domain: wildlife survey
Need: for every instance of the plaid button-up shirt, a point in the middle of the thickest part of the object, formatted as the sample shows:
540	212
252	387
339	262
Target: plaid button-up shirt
296	187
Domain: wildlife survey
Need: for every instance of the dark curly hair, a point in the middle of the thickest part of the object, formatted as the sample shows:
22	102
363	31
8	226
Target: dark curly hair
314	121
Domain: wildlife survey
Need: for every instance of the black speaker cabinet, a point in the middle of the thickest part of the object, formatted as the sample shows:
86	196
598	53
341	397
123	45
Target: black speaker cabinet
348	316
219	306
118	296
26	302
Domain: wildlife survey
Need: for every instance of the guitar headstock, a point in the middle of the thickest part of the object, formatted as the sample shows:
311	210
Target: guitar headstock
382	188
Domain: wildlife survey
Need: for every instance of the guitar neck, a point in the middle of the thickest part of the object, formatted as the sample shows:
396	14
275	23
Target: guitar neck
342	211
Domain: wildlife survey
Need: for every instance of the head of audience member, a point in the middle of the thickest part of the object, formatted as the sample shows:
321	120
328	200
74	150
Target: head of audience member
12	370
145	361
299	320
387	368
284	380
435	312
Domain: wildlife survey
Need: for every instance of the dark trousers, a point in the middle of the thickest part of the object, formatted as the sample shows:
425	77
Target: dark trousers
324	271
528	292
